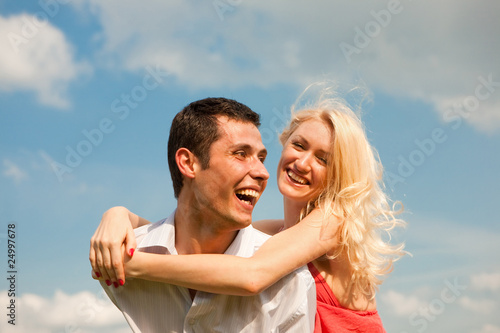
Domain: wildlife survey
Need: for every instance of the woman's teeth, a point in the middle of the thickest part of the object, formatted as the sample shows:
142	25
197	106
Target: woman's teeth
296	178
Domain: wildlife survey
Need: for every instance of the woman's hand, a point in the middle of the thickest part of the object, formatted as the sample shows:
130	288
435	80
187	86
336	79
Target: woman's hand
113	240
134	266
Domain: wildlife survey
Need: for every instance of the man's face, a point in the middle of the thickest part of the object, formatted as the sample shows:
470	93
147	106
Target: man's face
229	188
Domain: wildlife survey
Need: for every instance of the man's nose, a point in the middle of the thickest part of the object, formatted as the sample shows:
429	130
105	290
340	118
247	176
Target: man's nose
259	171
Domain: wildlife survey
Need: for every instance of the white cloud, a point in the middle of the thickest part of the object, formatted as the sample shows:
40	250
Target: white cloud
400	304
486	281
436	58
483	306
415	52
487	117
13	171
487	328
258	43
84	311
37	57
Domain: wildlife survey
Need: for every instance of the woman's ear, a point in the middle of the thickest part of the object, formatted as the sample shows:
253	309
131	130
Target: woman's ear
186	162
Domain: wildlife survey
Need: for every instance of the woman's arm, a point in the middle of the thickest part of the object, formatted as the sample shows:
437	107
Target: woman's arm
270	227
226	274
114	235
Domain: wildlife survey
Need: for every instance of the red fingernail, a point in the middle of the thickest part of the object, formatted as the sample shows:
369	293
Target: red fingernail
131	252
115	284
108	282
97	274
121	282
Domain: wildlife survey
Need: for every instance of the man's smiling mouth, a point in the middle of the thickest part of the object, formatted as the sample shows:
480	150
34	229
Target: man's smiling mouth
248	196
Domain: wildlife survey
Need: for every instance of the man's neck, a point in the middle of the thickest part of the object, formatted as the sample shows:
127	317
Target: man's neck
195	232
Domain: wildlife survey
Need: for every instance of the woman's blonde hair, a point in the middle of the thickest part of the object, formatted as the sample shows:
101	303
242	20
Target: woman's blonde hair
353	192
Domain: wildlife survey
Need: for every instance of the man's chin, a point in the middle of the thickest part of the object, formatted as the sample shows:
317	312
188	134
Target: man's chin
244	221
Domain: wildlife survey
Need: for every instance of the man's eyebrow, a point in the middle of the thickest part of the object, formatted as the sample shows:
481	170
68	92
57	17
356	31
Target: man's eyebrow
247	146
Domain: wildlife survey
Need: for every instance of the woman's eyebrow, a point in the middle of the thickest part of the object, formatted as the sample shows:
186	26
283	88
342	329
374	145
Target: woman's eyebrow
302	138
307	143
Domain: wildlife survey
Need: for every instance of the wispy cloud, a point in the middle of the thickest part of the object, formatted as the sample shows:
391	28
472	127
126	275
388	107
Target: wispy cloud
37	57
446	237
486	281
401	304
11	170
487	328
430	307
483	306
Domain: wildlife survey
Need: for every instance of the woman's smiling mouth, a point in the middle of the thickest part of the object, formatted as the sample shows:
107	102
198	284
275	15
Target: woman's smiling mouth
296	178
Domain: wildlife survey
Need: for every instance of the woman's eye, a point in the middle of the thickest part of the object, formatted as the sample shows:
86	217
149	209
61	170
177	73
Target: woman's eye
298	144
322	159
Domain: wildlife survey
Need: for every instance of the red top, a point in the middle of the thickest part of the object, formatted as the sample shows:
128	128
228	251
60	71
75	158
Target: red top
331	317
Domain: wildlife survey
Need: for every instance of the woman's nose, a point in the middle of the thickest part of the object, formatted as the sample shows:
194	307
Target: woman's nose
303	163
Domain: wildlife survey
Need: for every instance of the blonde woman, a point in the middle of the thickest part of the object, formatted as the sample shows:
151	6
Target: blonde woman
337	220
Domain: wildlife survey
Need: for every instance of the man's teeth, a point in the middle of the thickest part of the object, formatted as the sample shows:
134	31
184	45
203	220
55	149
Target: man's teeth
248	193
297	178
248	196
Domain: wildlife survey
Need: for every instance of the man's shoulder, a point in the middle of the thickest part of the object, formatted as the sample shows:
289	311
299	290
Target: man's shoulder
167	222
147	228
158	234
255	237
258	235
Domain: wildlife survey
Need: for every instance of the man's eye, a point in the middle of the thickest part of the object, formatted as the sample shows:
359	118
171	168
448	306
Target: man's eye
241	153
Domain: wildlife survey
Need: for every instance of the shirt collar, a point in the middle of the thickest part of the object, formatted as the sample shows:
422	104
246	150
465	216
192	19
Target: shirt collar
162	233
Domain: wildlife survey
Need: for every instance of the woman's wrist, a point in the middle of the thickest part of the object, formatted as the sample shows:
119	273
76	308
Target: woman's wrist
133	267
117	212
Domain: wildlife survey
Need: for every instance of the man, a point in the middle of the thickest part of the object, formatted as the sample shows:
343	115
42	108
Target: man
216	156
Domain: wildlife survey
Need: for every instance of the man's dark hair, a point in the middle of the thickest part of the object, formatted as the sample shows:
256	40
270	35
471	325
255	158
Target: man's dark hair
196	128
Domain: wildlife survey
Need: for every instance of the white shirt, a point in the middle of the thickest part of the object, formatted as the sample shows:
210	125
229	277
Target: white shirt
287	306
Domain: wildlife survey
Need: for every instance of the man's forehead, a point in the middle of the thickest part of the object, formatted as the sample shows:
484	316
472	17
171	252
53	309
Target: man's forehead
239	132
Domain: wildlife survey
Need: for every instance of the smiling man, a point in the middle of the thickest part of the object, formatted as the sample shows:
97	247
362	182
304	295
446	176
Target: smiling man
216	157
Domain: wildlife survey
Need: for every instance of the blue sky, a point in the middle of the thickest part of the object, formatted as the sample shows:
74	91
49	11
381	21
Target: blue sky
88	90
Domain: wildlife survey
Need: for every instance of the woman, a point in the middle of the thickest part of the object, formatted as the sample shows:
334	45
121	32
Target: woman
335	213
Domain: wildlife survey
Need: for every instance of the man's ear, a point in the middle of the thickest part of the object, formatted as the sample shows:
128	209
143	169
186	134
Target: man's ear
186	162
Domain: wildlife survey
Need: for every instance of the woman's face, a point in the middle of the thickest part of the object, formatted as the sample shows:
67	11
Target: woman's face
302	167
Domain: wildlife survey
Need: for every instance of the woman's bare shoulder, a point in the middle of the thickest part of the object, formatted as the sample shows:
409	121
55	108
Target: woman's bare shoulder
270	227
